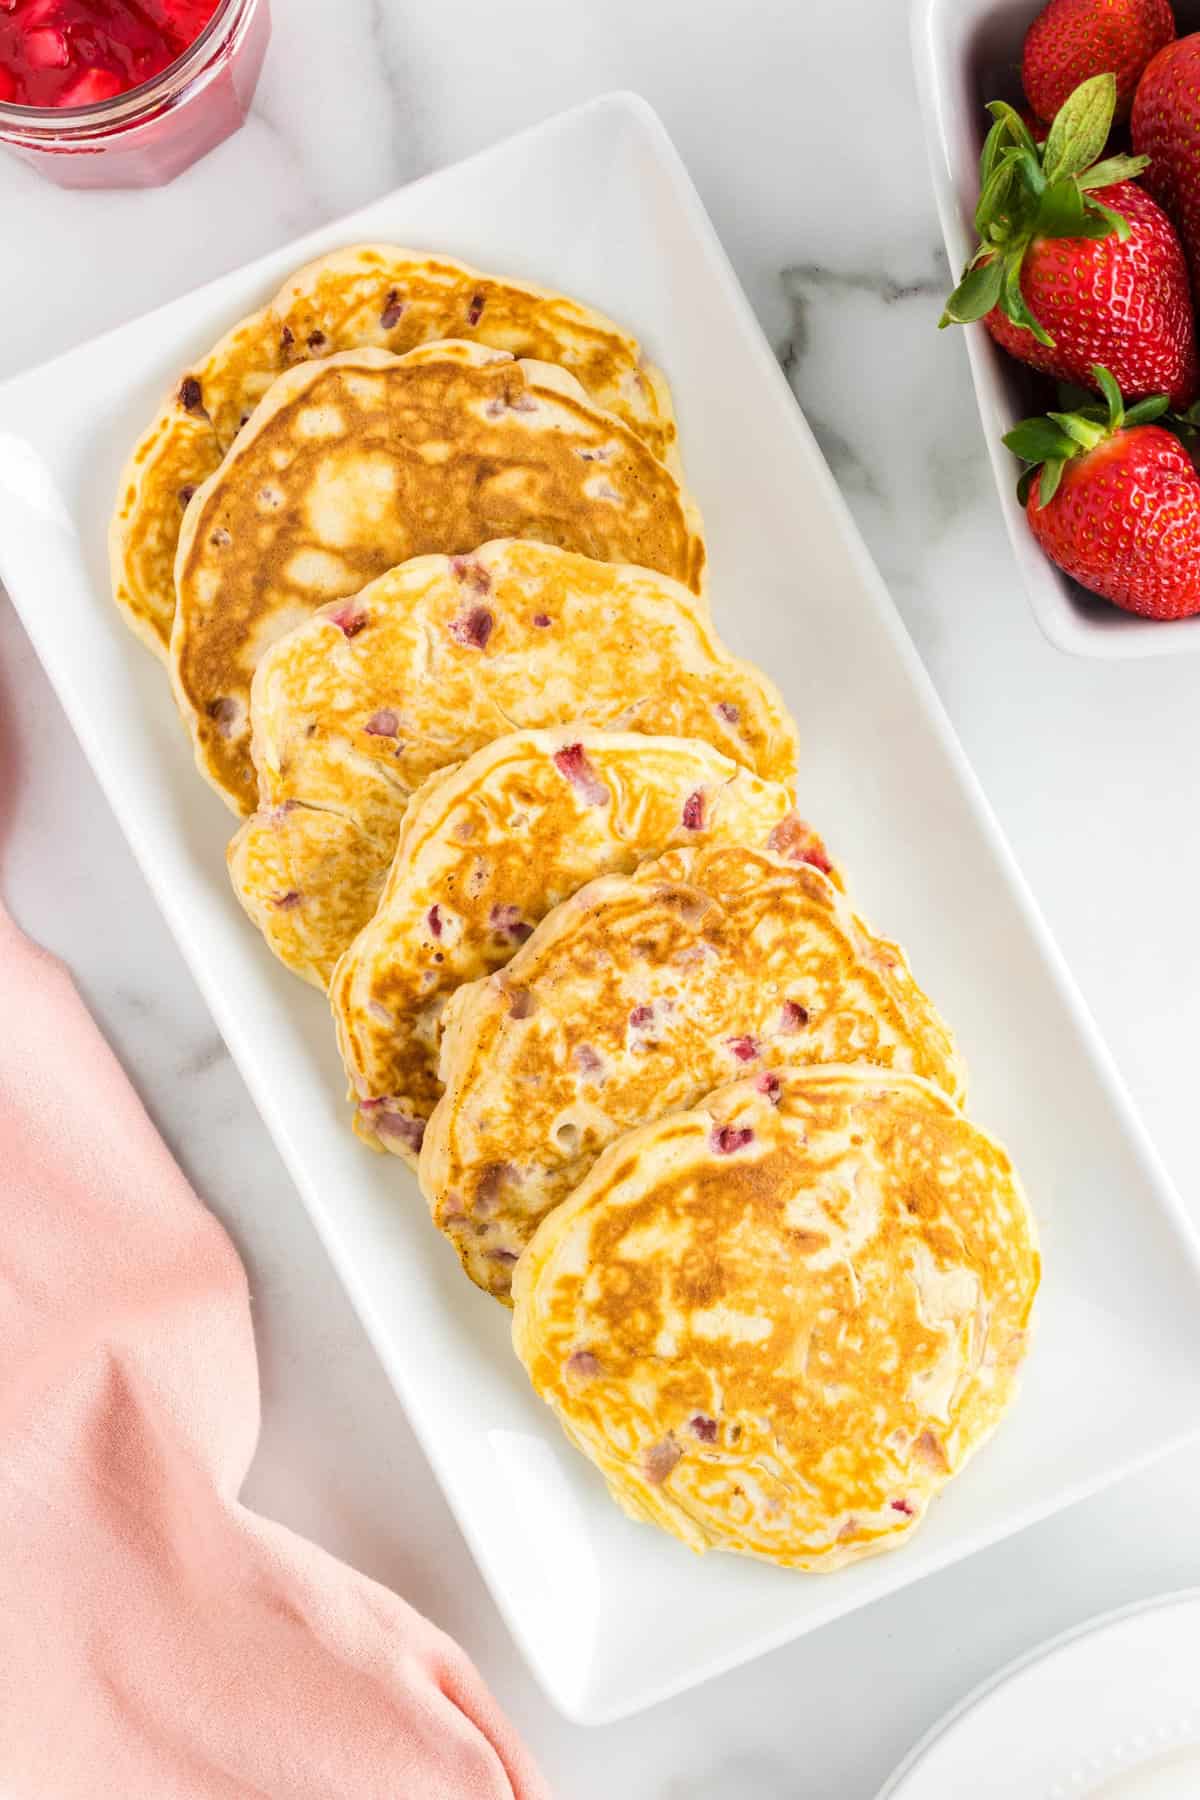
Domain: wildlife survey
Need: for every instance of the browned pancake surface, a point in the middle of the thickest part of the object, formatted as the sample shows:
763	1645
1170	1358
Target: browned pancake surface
363	461
369	295
358	706
780	1322
634	997
486	850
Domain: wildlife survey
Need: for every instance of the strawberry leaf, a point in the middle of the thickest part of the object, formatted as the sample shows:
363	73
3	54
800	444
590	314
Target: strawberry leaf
996	195
1116	406
1012	125
1009	198
1147	411
1015	308
1052	441
1029	163
1100	225
1106	219
1030	191
976	294
1087	433
1048	480
1081	127
1060	210
994	145
1113	169
1038	441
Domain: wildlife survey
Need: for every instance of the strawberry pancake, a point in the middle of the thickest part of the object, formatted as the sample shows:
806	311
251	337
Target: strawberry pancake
486	849
780	1322
358	706
365	459
367	296
634	998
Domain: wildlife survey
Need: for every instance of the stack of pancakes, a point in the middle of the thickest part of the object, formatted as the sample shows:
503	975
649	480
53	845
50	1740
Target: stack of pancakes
415	546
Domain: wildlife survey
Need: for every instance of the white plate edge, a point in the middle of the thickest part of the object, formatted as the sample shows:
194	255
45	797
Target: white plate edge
1019	1665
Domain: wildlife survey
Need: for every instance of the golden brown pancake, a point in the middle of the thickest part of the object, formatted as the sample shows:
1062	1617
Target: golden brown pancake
364	460
370	295
485	850
358	706
634	997
780	1322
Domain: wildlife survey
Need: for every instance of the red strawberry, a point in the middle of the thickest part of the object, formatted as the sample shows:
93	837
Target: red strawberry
1166	128
1072	40
1125	304
1116	503
1076	265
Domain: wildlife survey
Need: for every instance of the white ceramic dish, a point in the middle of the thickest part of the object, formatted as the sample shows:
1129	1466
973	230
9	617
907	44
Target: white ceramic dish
613	1615
967	52
1109	1710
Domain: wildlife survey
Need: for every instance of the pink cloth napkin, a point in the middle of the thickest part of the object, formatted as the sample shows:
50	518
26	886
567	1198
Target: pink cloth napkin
157	1640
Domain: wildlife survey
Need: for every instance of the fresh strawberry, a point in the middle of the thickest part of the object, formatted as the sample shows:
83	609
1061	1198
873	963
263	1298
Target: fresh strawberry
1122	299
1166	128
1076	265
1072	40
1115	501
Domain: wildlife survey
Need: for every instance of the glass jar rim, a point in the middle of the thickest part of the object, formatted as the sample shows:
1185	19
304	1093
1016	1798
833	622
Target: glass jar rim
128	107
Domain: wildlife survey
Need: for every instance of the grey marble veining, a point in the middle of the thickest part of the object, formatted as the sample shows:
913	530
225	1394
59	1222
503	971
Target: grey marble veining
805	282
815	290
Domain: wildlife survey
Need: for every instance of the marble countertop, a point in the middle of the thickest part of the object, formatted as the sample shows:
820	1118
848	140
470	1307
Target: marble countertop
798	121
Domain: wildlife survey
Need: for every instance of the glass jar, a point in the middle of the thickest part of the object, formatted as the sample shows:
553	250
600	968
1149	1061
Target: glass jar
150	134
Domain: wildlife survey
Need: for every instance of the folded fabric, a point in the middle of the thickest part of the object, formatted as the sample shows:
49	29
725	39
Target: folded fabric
158	1641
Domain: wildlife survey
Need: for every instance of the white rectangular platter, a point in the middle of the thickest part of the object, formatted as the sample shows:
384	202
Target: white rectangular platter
613	1615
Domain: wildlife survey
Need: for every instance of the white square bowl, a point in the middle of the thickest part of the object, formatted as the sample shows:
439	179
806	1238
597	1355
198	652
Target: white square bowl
614	1615
967	52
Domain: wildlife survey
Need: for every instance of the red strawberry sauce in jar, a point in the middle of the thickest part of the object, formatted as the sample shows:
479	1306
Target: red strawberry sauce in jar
125	93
